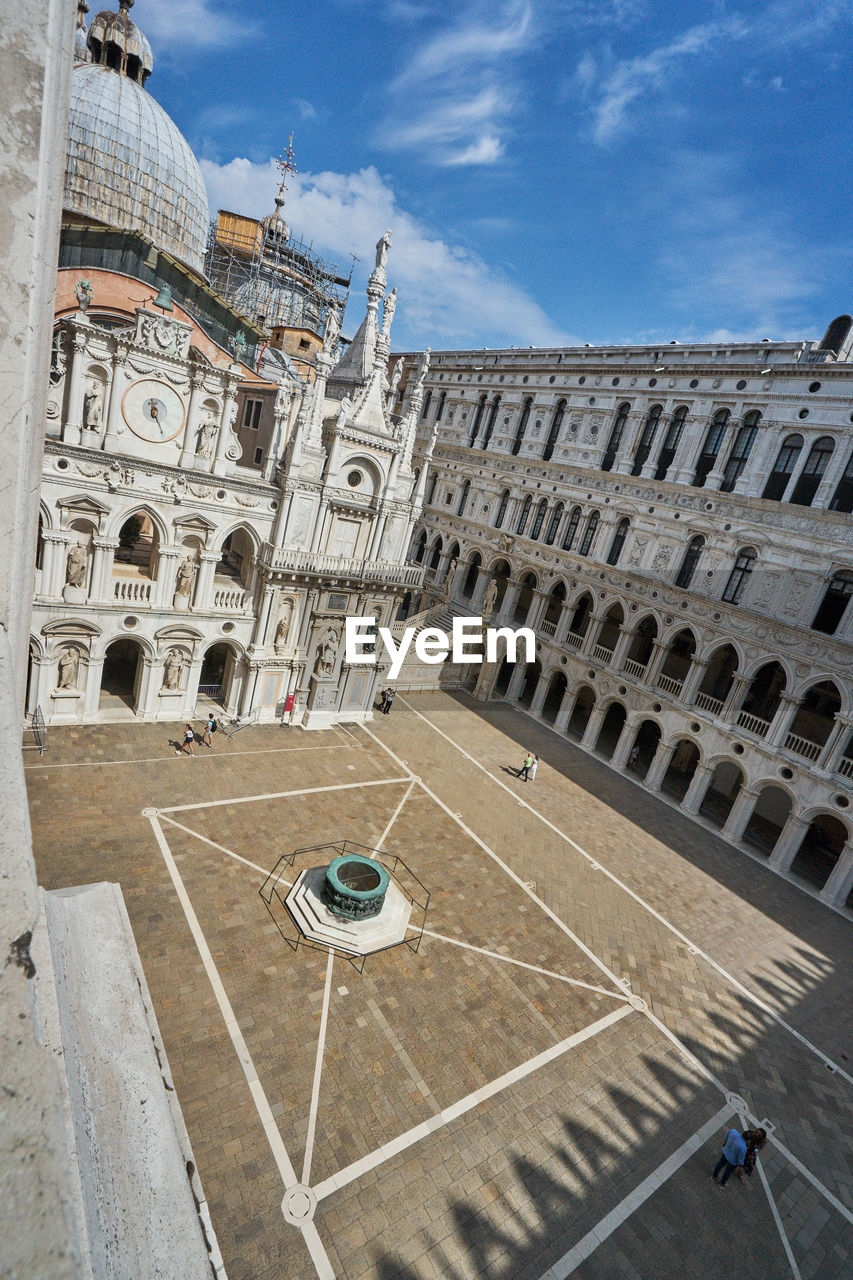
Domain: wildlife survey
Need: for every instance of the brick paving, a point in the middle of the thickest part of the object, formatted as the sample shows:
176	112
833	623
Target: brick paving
507	1187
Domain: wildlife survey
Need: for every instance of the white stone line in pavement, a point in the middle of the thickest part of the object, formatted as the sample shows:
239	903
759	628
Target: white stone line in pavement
444	1117
396	814
288	1175
687	1053
318	1071
547	973
221	847
599	866
397	1045
525	888
262	751
612	1221
349	733
786	1244
285	795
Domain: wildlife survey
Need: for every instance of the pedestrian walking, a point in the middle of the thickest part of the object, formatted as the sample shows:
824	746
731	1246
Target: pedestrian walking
524	771
389	698
383	698
755	1140
533	768
633	757
187	742
209	731
732	1159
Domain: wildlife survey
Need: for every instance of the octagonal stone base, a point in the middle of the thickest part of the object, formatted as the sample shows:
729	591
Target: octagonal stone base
318	924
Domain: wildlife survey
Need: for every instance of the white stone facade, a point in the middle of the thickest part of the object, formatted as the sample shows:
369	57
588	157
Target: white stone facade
674	524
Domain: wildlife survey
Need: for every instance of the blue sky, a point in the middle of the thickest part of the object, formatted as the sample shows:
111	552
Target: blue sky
552	170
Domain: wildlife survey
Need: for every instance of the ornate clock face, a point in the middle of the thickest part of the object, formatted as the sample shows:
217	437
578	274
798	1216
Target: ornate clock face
153	411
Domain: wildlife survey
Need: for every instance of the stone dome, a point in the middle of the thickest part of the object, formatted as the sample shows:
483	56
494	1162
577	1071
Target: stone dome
128	164
117	42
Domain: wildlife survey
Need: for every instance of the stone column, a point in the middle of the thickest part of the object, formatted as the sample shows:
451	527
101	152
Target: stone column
833	473
833	751
163	588
735	695
699	784
92	697
73	429
693	679
203	595
782	720
377	535
564	711
540	694
655	663
262	620
508	603
715	475
683	464
516	681
146	698
53	564
533	610
102	568
593	726
788	843
624	460
658	767
755	473
188	451
115	420
840	879
739	814
592	630
229	400
623	747
562	626
623	644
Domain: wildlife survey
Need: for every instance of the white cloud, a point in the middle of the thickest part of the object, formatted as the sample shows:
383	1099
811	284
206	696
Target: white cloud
448	295
176	26
307	110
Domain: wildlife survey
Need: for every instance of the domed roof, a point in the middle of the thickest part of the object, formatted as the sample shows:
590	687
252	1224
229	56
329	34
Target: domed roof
130	50
128	164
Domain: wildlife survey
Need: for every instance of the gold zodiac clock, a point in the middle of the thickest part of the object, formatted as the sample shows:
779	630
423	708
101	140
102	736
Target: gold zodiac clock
153	411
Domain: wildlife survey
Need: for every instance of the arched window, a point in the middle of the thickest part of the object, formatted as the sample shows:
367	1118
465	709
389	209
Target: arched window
711	447
650	426
834	603
670	442
616	433
783	467
691	559
490	426
539	518
554	430
739	575
554	524
812	473
478	418
502	506
571	529
589	534
463	498
744	440
842	499
618	541
427	403
433	481
525	512
420	548
522	424
440	410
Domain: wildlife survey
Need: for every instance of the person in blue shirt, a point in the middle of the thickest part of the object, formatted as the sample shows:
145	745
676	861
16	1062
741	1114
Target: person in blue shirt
734	1154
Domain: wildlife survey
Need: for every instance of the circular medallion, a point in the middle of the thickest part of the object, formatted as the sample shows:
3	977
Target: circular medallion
153	411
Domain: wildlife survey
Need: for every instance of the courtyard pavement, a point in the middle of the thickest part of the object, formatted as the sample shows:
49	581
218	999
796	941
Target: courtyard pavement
540	1089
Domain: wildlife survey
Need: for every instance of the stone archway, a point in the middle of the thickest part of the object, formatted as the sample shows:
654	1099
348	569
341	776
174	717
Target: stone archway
531	679
554	697
121	676
503	678
820	848
644	747
723	789
769	815
581	711
217	673
611	730
680	770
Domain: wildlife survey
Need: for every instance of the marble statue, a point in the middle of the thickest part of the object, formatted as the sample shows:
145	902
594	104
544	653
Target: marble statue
382	247
68	665
75	565
84	293
92	408
281	631
333	329
394	384
187	570
490	599
326	653
173	669
388	309
206	436
451	571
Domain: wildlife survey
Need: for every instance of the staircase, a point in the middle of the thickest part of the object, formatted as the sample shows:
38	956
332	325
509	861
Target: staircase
417	676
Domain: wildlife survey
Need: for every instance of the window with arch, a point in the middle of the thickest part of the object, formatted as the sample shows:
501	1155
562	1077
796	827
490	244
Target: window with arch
427	403
463	498
711	446
842	499
571	529
812	473
420	547
478	418
539	519
690	561
433	481
525	514
589	534
440	410
739	576
490	425
741	449
617	431
671	440
554	524
834	603
502	506
554	429
783	467
647	436
522	424
618	541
